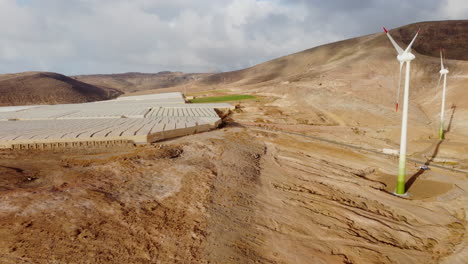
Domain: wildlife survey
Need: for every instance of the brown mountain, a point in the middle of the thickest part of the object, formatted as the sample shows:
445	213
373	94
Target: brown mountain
350	82
310	64
355	81
134	81
450	35
48	88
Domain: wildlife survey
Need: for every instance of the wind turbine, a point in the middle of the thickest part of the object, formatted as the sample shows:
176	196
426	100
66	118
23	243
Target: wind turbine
404	56
443	72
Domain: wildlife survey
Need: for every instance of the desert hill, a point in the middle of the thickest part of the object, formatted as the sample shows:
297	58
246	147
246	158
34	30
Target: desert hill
354	81
134	81
351	82
48	88
450	35
362	70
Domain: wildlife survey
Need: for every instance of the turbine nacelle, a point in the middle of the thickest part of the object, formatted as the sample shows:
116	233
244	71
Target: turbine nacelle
406	56
444	71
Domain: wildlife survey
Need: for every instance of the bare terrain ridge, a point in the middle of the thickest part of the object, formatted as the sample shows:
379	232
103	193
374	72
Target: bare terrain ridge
32	88
449	35
134	81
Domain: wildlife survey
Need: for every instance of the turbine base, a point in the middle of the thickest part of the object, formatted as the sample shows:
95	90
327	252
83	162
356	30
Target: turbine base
405	195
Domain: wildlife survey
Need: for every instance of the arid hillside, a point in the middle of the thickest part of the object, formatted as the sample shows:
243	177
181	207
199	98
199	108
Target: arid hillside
354	79
134	81
354	82
450	35
48	88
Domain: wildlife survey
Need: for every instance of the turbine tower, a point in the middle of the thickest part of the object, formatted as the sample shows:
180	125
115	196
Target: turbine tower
404	56
443	72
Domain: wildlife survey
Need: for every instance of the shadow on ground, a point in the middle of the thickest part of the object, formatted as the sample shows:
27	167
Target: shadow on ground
421	171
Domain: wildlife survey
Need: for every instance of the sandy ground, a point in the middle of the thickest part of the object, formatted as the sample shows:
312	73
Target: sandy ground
285	181
236	195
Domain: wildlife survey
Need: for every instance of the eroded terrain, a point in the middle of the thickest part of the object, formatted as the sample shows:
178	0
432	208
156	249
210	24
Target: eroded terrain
236	195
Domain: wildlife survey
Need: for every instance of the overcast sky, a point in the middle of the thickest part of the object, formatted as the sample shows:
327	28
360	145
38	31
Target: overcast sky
113	36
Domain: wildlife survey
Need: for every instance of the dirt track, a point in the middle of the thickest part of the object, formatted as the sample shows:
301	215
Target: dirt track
272	128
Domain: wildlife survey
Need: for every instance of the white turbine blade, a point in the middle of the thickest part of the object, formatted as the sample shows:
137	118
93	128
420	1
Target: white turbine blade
411	43
438	83
441	61
397	101
398	48
443	52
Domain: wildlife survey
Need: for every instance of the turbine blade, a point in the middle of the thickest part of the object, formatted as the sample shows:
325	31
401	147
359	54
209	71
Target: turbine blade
398	48
412	41
438	83
397	101
443	53
441	61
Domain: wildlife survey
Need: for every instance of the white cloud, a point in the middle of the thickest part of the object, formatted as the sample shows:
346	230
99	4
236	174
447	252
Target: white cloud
456	9
100	36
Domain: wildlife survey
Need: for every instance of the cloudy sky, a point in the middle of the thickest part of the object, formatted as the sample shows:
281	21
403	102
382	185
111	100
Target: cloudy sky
112	36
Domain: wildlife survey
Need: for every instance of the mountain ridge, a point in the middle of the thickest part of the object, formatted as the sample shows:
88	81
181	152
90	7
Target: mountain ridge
30	88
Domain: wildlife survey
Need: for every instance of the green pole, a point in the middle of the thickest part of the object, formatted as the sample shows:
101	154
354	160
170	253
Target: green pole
441	130
442	110
400	189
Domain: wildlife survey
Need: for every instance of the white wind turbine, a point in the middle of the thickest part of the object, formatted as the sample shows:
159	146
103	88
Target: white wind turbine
443	72
404	56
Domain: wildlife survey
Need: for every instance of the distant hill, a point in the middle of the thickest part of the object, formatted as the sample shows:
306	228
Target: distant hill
451	35
134	81
307	64
48	88
354	81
